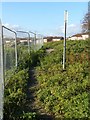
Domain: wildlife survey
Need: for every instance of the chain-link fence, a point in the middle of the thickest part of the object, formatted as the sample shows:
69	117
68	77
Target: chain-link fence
12	45
39	41
23	45
32	39
9	40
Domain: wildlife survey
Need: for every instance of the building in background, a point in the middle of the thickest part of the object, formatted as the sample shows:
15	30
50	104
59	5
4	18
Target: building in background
80	36
52	38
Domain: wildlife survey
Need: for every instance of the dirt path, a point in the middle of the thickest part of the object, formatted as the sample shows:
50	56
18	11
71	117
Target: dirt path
31	95
32	84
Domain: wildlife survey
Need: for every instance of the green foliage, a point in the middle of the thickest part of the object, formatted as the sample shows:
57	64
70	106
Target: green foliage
16	80
36	56
24	58
15	94
28	116
9	56
65	94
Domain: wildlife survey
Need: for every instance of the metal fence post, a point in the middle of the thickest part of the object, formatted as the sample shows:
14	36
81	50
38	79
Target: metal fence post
29	45
34	37
1	72
40	40
16	49
64	47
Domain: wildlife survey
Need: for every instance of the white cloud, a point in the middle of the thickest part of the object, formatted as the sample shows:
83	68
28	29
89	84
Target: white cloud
71	29
8	33
13	27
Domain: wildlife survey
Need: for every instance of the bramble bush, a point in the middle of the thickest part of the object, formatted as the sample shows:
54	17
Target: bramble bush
65	94
16	80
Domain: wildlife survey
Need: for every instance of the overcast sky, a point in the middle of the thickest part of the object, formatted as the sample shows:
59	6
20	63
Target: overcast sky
46	18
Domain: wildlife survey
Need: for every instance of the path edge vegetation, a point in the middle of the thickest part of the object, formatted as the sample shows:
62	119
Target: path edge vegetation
48	67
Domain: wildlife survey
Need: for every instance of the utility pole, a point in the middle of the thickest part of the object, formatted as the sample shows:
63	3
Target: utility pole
89	18
64	47
1	72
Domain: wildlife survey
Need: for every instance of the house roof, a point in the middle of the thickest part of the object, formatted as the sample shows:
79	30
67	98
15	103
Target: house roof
77	35
80	34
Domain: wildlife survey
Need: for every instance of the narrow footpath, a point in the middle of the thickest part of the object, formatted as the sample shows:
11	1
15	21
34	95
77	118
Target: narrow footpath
31	95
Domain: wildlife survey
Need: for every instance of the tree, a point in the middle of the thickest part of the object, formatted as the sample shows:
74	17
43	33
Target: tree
86	21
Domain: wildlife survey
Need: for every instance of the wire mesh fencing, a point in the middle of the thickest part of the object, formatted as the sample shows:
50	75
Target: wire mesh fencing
12	45
32	40
39	41
9	39
15	42
23	45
